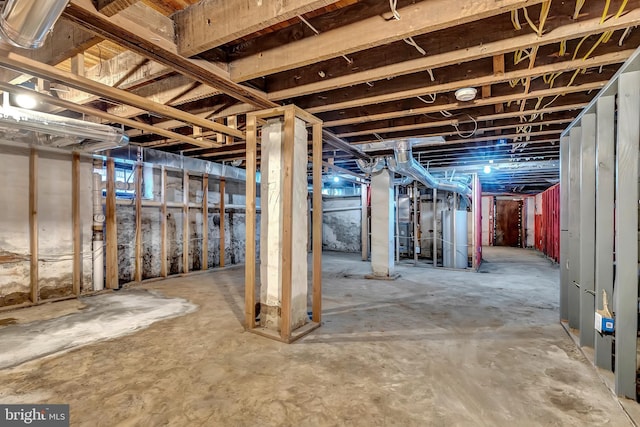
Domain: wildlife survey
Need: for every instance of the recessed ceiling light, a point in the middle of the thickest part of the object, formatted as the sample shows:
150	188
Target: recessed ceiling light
466	94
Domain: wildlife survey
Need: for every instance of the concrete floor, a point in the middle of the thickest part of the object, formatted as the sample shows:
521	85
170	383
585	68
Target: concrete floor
434	348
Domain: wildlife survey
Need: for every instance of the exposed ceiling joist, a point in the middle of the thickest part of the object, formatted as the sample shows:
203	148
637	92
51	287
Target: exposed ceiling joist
26	65
566	32
106	116
418	18
211	23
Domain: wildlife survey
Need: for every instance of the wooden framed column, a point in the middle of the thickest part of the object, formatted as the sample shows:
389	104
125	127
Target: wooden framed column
288	115
33	225
317	223
250	234
163	222
364	231
75	218
223	231
204	263
111	233
138	247
185	222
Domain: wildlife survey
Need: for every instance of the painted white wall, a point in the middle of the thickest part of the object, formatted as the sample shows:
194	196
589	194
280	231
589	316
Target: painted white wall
530	209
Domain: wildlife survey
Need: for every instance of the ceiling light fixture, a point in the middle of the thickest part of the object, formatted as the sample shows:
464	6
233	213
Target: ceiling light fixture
26	101
466	94
487	169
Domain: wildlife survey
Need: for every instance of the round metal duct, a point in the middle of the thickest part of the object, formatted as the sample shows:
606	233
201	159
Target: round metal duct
26	23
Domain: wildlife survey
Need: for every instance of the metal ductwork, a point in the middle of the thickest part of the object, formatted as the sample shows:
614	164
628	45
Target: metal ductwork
26	23
67	132
404	164
373	166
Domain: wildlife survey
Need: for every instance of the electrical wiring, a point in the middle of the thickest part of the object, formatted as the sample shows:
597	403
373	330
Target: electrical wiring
430	71
411	42
544	13
579	4
624	35
393	4
470	134
430	95
515	20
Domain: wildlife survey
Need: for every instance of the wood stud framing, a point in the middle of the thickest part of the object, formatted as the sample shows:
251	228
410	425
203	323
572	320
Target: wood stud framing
33	224
76	224
111	232
289	114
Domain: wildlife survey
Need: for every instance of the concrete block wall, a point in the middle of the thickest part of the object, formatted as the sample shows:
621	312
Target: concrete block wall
151	227
341	229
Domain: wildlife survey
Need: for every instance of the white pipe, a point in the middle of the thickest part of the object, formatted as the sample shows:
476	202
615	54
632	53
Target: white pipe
98	265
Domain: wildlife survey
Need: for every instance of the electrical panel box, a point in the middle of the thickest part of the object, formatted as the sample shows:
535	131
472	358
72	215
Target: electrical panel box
604	324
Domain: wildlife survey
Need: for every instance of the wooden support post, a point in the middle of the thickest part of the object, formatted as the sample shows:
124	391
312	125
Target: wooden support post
498	70
250	261
163	222
223	243
364	219
33	224
317	223
185	221
204	264
111	234
232	123
77	64
138	251
287	223
77	232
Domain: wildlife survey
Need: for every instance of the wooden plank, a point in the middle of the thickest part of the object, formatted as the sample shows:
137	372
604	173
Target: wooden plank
441	123
211	23
77	64
569	65
111	7
111	235
498	71
250	235
139	39
317	224
77	223
185	221
457	106
138	200
233	124
204	263
33	225
418	18
109	117
163	222
23	64
287	223
223	242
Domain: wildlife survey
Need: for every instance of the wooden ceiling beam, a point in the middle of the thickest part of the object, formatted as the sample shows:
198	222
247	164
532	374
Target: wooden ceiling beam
419	18
212	23
441	123
570	65
139	39
461	105
26	65
106	116
111	7
566	32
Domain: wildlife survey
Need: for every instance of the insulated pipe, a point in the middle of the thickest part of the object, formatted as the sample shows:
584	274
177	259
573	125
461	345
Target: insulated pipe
404	163
26	23
97	246
374	166
75	134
